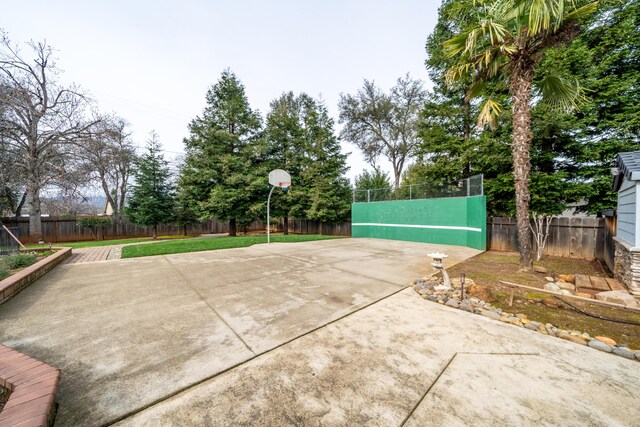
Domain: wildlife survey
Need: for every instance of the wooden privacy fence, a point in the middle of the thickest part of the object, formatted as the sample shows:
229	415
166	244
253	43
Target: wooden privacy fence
306	226
568	236
65	229
573	237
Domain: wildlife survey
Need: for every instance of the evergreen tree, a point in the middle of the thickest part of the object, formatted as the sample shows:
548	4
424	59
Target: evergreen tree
286	148
606	59
373	186
300	139
222	176
152	200
329	189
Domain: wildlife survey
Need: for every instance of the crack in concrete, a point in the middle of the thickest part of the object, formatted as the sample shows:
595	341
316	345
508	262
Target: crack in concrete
203	299
265	352
444	369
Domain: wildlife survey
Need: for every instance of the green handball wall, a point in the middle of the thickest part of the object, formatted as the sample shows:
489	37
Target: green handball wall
459	221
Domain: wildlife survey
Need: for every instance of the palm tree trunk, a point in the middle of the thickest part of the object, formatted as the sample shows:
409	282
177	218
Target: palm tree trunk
520	84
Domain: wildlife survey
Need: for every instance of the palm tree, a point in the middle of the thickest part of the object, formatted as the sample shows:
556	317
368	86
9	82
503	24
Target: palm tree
507	40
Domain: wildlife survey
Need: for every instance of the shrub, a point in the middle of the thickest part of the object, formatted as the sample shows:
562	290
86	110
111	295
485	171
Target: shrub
12	262
93	222
4	273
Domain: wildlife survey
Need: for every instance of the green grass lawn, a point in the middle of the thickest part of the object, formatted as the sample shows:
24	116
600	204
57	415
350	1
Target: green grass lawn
212	243
93	243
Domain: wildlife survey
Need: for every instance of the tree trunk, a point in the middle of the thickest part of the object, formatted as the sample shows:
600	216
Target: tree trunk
232	227
35	219
285	225
155	232
320	227
520	86
20	205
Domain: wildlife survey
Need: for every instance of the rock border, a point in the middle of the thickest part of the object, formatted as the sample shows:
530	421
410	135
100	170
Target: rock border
453	298
15	283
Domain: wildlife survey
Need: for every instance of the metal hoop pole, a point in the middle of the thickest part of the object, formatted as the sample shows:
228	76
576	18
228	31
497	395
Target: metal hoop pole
268	218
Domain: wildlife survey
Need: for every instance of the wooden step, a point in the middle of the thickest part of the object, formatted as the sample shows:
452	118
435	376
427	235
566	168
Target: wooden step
615	285
583	281
599	283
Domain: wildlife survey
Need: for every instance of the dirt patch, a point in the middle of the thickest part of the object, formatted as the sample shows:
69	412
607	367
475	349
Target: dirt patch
4	396
488	268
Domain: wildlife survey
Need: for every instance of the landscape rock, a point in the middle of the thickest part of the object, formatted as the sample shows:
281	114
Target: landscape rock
624	352
566	336
452	303
599	345
617	297
567	286
453	298
549	279
549	328
606	340
553	287
490	314
540	269
535	324
569	278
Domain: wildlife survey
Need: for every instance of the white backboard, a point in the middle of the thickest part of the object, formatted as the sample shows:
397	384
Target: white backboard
279	178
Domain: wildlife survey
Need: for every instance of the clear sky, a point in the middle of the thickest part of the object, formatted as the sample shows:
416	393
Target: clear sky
151	62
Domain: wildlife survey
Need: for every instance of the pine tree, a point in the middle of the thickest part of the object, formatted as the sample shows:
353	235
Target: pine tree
286	149
152	200
222	177
372	186
300	139
329	189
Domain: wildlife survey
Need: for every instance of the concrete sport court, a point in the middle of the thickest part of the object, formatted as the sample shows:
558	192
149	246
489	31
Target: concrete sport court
316	333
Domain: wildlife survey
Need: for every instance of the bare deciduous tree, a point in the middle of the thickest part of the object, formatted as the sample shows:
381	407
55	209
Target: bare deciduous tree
109	155
42	120
382	124
540	230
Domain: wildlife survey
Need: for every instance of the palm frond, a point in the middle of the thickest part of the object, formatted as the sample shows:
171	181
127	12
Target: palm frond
489	114
582	12
539	16
560	92
455	45
457	72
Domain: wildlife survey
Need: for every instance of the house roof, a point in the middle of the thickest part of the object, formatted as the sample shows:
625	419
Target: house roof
628	165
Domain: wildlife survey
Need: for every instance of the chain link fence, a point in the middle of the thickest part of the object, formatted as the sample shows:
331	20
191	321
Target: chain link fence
472	186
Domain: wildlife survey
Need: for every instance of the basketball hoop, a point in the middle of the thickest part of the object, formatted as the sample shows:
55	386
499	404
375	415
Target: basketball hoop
277	178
